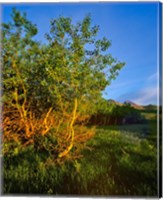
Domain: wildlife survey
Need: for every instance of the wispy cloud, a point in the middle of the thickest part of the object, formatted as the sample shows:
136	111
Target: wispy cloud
152	77
146	96
142	97
149	93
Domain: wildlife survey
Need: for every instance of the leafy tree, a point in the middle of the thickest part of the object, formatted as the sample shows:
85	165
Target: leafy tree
104	113
17	59
55	86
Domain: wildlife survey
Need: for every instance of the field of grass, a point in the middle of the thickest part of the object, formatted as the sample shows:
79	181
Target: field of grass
121	161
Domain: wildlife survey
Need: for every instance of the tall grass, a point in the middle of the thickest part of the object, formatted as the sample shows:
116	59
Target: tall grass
118	162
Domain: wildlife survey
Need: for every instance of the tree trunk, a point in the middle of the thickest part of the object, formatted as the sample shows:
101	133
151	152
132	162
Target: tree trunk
66	151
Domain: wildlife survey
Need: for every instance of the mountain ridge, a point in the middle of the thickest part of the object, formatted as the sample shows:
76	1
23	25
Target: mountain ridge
131	103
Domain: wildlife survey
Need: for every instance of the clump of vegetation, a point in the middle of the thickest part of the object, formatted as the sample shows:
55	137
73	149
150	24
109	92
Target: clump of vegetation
49	88
109	113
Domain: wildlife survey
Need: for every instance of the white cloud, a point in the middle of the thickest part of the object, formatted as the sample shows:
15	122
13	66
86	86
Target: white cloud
153	77
146	96
140	91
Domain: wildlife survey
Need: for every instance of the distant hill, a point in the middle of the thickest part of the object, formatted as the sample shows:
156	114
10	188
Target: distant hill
115	102
134	105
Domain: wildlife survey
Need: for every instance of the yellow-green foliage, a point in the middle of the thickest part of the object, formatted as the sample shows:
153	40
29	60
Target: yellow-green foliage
48	88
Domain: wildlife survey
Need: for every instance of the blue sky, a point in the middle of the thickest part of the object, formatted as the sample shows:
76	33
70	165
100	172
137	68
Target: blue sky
132	29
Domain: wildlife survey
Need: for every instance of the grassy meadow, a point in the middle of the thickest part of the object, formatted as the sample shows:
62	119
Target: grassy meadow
119	160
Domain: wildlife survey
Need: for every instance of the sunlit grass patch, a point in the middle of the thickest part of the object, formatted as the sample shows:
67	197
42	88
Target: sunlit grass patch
116	162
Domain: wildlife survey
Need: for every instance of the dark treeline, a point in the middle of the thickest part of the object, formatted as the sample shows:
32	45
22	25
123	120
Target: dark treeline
118	115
